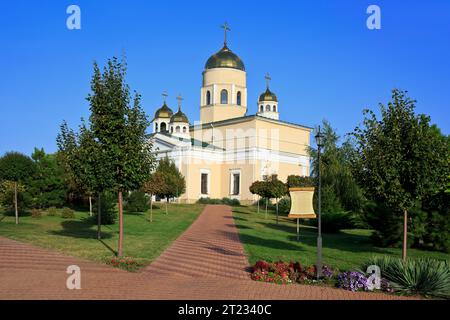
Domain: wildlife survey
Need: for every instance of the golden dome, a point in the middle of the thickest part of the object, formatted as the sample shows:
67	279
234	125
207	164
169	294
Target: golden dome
179	117
225	58
268	96
163	112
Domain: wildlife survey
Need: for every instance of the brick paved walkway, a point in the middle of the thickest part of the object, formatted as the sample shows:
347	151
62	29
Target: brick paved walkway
206	262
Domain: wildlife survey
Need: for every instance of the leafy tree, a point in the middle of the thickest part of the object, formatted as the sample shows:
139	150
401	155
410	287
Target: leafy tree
7	191
46	186
276	189
268	189
87	168
16	167
136	201
340	190
256	188
107	208
118	126
173	183
399	159
155	183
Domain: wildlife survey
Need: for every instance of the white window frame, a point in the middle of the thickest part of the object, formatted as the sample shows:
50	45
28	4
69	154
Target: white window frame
232	173
208	183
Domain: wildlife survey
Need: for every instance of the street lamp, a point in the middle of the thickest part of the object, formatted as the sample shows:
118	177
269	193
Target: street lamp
319	141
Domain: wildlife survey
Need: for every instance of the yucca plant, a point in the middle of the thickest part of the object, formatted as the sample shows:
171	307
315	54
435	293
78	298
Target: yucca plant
428	277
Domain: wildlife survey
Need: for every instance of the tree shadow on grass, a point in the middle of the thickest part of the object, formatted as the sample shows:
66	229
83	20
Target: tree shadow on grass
263	242
236	218
341	240
81	229
107	246
133	213
237	225
242	212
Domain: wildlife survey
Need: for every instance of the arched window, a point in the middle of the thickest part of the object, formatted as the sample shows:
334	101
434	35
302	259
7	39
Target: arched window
163	126
208	98
177	129
261	108
224	96
238	98
267	108
184	129
274	108
156	127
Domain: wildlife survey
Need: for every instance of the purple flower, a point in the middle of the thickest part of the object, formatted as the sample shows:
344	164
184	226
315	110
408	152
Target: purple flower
352	280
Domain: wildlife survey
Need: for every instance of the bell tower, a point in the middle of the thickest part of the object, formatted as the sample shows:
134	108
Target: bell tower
224	90
268	103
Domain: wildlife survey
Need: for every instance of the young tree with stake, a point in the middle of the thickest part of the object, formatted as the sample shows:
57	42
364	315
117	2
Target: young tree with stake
16	167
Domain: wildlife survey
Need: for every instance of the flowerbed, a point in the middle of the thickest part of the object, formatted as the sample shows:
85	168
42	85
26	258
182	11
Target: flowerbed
125	263
293	272
358	281
284	273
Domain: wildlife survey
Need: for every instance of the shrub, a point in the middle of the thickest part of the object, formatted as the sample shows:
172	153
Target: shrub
353	281
67	213
284	206
108	209
428	277
136	201
52	212
334	222
300	181
36	213
231	202
227	201
388	226
209	201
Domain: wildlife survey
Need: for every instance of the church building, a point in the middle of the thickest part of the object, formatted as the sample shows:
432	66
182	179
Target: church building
233	144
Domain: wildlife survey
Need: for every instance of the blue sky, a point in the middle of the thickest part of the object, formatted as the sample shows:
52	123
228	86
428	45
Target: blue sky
324	62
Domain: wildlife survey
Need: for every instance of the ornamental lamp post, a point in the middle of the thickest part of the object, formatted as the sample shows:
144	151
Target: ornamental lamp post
319	141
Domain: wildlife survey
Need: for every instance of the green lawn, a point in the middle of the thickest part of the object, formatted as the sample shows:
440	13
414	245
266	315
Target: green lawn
143	240
264	239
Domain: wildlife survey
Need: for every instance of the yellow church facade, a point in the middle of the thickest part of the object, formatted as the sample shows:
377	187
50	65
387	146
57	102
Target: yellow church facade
229	148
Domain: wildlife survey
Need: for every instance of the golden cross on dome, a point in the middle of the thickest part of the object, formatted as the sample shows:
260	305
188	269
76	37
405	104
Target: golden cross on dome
225	28
164	94
179	98
268	78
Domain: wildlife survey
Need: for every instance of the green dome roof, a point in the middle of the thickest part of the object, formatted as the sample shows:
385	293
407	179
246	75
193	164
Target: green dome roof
164	112
225	58
179	117
268	96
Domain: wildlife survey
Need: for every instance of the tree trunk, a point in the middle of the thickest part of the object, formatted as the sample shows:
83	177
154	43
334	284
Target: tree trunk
99	216
120	249
90	206
405	234
277	208
15	202
151	208
265	216
167	200
258	203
